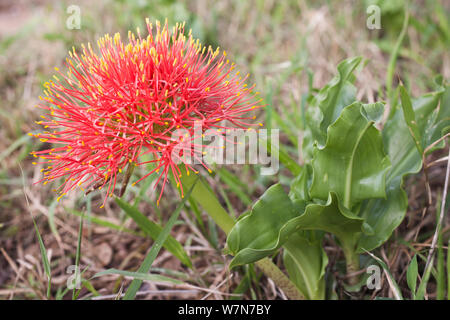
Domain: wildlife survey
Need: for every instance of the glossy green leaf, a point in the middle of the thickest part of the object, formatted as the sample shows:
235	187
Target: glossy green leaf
301	184
258	234
384	215
330	217
153	230
353	163
429	118
327	105
433	113
274	217
305	261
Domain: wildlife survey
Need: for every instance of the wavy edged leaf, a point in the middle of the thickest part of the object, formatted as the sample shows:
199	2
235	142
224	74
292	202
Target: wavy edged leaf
301	184
275	217
305	261
153	230
385	215
327	105
262	231
353	163
330	217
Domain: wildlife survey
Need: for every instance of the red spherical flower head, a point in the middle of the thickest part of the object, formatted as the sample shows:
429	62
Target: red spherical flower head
112	107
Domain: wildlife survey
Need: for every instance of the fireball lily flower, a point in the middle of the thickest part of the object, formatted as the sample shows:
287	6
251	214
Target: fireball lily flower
111	108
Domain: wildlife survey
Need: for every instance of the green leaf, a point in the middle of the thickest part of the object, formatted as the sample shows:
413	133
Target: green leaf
283	156
258	234
44	257
301	184
330	217
204	195
424	281
393	61
327	105
391	281
274	217
13	146
411	275
153	230
153	253
238	187
448	270
305	261
78	255
410	118
433	113
353	163
90	288
138	276
385	215
439	275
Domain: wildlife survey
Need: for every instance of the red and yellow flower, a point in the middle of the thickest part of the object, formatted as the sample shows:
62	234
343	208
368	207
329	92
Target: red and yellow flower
112	107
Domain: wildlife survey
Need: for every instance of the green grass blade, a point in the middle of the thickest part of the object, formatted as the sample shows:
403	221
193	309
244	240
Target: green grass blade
44	256
284	157
440	277
410	118
162	237
392	283
154	230
205	197
51	219
269	101
90	288
198	214
424	282
448	270
393	61
139	276
78	255
235	185
242	287
16	144
411	276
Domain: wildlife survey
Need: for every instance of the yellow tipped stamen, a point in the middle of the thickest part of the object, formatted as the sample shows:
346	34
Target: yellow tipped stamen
59	198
